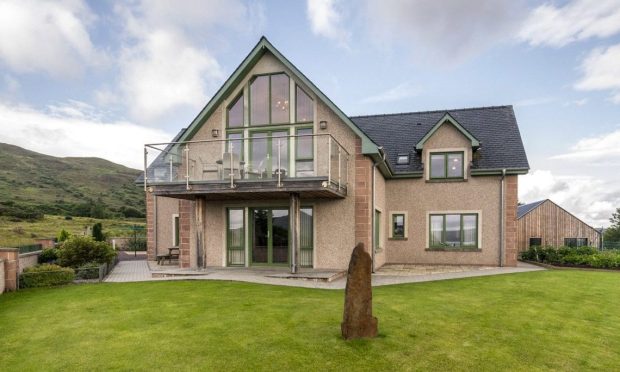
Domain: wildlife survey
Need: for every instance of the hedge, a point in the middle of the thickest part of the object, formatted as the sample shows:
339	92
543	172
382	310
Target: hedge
568	256
45	275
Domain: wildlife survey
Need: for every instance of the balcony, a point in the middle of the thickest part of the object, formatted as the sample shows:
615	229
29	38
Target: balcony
265	165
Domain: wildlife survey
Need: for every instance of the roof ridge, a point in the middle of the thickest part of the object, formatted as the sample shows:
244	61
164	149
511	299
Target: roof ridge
432	111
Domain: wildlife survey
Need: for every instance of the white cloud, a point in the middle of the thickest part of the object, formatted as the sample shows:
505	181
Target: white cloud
577	102
47	36
326	19
557	26
443	32
603	149
75	129
601	71
164	63
397	93
165	71
592	200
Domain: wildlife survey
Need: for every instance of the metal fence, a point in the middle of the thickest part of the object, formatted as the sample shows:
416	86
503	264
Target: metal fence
94	272
27	248
611	246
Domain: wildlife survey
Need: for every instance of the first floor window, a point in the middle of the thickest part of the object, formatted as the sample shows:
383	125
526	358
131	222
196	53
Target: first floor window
453	230
304	153
535	242
446	165
398	226
576	242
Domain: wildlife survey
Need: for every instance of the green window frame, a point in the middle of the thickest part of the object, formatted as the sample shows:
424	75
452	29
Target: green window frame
443	237
299	89
304	162
175	230
306	238
235	242
377	230
240	141
238	99
446	157
269	99
398	232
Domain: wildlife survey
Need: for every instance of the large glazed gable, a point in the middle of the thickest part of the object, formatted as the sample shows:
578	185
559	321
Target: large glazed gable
241	73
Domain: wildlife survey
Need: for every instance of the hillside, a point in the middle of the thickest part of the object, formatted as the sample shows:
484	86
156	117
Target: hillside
33	183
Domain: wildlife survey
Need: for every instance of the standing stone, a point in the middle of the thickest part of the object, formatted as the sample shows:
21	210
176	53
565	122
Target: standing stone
358	321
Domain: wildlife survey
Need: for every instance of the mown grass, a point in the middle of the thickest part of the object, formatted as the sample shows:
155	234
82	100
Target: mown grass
24	232
553	320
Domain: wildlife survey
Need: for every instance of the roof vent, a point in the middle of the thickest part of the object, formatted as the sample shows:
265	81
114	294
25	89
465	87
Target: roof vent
402	159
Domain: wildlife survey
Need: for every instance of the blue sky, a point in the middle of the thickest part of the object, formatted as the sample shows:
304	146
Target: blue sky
101	78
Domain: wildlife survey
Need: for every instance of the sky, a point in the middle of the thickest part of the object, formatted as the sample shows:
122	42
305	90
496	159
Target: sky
80	78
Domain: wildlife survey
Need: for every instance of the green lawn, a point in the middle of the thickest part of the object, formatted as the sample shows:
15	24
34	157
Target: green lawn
561	320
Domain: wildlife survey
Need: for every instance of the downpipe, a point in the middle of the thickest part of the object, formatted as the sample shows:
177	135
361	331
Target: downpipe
502	227
372	212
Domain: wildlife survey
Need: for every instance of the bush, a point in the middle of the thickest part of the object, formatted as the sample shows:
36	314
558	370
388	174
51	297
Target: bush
48	255
573	256
63	235
80	250
136	244
98	234
45	275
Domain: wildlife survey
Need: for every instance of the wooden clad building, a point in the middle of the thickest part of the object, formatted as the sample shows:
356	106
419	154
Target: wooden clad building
546	223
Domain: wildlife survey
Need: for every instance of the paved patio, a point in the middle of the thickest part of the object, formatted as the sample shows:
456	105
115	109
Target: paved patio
135	271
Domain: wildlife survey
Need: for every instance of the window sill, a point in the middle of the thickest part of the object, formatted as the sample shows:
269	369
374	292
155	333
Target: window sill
397	238
454	249
445	180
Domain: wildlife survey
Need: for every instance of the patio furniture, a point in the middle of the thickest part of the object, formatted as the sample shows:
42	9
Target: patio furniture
173	254
231	164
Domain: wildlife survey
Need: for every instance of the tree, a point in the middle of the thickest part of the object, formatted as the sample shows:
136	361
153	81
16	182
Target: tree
98	234
612	234
63	235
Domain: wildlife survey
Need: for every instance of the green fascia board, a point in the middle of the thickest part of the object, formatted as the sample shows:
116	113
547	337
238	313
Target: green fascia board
263	45
498	171
447	117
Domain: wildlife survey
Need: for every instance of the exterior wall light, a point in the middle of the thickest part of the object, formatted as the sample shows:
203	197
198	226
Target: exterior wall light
323	124
215	132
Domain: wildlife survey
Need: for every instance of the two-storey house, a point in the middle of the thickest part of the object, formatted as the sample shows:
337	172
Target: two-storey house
272	172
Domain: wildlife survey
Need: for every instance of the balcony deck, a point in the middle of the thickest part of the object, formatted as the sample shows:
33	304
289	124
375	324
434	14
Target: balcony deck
314	166
308	188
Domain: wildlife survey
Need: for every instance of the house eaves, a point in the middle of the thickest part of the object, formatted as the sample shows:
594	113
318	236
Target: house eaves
447	118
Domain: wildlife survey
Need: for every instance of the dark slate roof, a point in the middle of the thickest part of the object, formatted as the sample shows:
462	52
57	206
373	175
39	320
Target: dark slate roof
522	210
495	127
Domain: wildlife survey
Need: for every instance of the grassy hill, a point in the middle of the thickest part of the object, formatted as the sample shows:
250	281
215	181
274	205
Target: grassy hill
32	184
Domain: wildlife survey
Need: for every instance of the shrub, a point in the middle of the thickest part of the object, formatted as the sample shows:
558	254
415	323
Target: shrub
98	234
136	244
63	235
48	255
577	256
45	275
79	250
68	218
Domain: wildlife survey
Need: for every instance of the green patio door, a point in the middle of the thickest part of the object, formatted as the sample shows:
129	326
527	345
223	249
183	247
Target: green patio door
270	233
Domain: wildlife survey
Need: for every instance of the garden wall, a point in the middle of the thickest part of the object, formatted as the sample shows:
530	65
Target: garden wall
28	260
10	259
1	276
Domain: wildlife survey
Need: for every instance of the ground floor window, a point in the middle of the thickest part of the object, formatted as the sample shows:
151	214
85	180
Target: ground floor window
377	230
235	236
175	230
535	242
576	242
398	221
453	230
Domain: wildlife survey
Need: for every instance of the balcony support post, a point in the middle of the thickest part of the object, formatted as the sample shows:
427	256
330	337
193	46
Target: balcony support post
329	160
294	226
187	166
146	152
